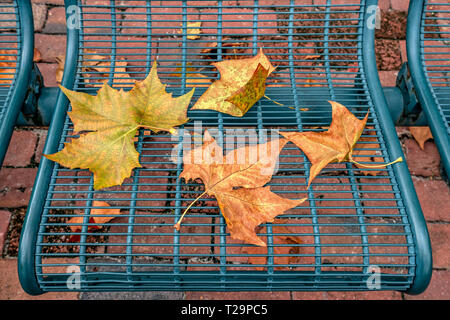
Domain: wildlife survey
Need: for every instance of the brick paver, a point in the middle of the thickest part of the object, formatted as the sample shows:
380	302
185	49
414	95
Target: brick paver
5	215
24	153
243	295
433	195
438	288
17	177
56	21
39	16
439	234
387	78
400	5
42	136
50	46
21	149
54	2
424	163
347	295
10	288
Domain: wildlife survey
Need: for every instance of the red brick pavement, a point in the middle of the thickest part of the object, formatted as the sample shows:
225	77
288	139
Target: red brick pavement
24	153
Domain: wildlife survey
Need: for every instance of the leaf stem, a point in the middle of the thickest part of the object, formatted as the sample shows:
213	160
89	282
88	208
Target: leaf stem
377	166
177	225
173	131
280	104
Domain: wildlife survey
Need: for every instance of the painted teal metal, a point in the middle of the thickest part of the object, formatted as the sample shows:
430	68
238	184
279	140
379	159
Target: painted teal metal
16	43
428	51
422	248
357	231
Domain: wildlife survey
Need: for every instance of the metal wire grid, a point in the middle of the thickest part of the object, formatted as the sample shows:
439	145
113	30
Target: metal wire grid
353	220
9	52
435	46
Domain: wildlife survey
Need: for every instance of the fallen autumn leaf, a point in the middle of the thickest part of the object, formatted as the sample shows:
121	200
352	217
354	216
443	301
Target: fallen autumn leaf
334	145
241	85
237	181
421	135
112	119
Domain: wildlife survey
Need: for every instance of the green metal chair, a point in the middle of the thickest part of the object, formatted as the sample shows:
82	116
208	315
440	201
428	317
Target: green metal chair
359	230
16	61
428	47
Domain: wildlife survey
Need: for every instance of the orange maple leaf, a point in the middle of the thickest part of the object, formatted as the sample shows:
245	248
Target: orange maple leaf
97	216
285	248
334	145
421	135
242	83
237	181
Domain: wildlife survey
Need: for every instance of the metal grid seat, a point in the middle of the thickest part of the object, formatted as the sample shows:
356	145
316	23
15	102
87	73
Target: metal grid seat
428	47
354	223
16	55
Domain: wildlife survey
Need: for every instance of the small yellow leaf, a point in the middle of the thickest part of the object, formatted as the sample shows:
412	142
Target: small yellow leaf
193	30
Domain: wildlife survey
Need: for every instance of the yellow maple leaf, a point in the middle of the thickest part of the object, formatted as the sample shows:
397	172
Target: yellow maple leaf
193	30
108	122
241	85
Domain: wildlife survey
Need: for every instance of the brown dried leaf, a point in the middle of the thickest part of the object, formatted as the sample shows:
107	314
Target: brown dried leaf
61	60
98	65
193	81
211	46
98	216
421	135
312	57
334	145
121	76
278	250
192	76
368	155
37	56
237	181
241	85
311	83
